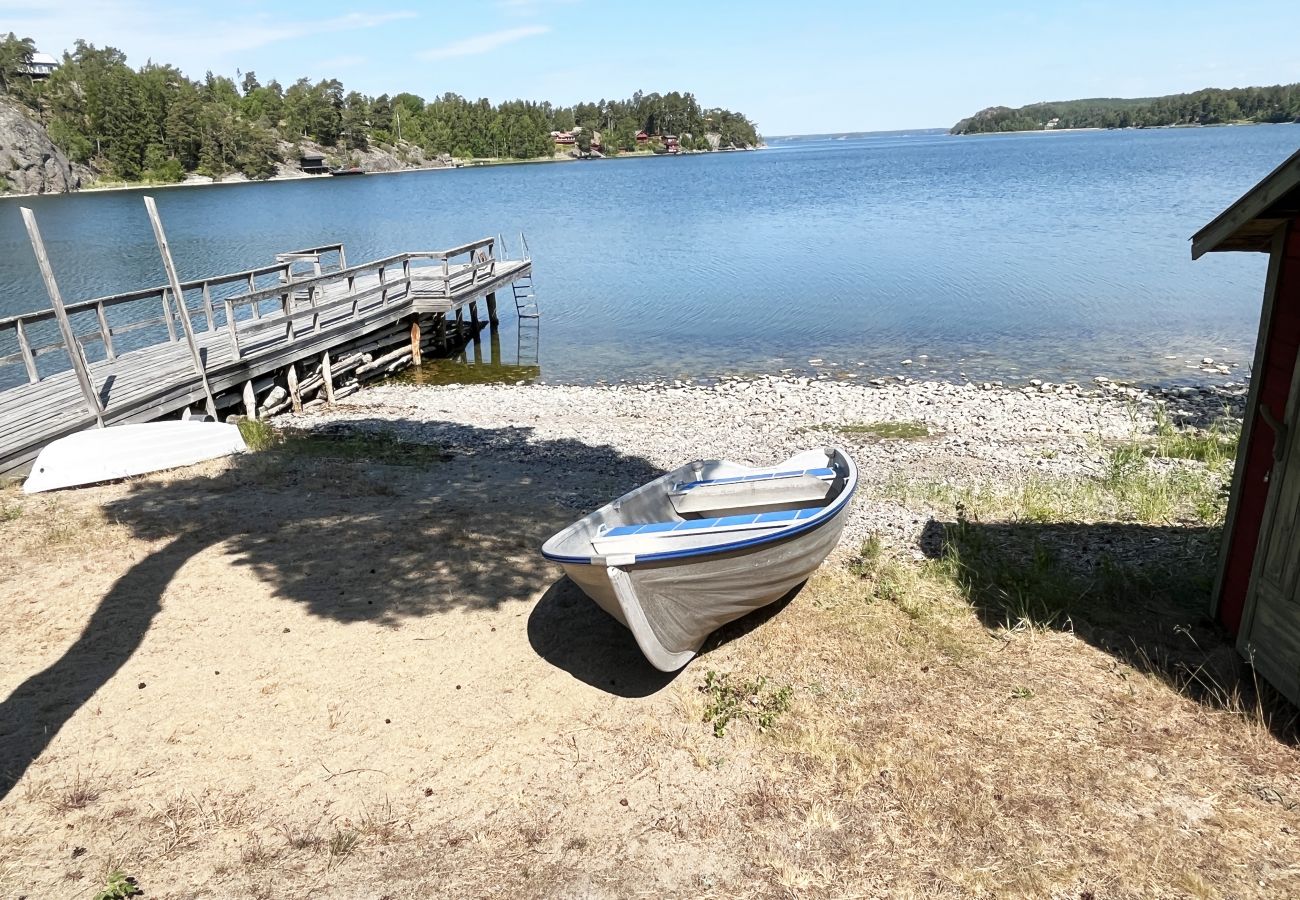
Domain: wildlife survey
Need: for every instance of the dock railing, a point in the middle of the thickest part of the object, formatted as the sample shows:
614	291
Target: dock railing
106	327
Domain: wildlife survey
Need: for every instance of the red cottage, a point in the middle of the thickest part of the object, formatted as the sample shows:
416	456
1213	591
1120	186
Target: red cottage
1257	592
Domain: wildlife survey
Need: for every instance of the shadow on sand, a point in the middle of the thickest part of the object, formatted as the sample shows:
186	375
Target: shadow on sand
376	521
568	630
1139	592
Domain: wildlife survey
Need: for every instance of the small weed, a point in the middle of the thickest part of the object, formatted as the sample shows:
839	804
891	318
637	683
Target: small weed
750	700
9	512
299	838
864	565
79	794
342	843
258	434
1022	693
118	886
887	431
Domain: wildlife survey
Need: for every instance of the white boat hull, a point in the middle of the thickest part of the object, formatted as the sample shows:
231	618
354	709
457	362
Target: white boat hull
672	605
106	454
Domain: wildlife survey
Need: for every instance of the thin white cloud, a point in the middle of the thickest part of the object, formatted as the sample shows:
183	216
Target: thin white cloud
529	7
485	43
186	36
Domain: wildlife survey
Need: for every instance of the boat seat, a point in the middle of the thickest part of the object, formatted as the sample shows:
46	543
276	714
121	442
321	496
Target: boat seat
823	474
752	493
773	519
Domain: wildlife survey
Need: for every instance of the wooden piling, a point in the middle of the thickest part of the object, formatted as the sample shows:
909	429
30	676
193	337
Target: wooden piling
295	396
250	400
61	315
473	319
415	341
492	311
442	332
328	375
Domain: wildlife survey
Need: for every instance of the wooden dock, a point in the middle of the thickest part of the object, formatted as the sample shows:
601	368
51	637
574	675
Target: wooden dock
308	328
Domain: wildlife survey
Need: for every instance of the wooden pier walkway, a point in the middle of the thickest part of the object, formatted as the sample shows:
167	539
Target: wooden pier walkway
262	339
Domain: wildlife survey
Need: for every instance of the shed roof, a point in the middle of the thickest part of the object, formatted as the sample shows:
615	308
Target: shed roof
1249	223
43	59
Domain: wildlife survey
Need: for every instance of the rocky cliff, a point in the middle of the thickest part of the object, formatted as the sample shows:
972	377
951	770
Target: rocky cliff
29	162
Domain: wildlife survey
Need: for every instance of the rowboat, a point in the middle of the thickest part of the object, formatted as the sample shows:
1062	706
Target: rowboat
706	544
106	454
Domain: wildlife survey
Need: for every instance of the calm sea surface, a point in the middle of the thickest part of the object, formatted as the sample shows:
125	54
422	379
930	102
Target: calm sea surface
1005	256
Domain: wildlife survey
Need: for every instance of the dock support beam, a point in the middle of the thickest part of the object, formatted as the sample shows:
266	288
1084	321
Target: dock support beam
442	332
492	311
415	341
61	315
295	395
327	375
250	400
473	320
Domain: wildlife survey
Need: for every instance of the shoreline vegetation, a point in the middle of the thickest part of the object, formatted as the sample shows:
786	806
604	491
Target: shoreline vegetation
1213	106
154	125
1002	683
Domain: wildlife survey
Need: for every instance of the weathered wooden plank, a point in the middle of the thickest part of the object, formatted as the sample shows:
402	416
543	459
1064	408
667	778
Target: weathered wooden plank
178	292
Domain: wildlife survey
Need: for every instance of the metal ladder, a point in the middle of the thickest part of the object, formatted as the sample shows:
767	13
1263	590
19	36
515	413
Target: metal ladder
525	297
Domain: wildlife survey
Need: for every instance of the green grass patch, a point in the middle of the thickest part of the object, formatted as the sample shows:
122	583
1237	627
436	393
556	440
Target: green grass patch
750	700
348	446
887	431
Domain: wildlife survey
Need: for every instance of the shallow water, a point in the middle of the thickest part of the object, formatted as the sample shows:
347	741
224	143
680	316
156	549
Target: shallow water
1059	256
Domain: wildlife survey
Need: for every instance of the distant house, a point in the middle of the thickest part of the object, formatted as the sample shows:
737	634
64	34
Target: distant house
642	137
670	141
564	137
41	65
1052	123
313	164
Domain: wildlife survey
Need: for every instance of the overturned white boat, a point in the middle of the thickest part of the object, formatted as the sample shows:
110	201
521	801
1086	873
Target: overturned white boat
706	544
120	451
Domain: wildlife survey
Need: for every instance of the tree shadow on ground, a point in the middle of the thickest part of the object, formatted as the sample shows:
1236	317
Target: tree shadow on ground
363	520
569	631
1139	592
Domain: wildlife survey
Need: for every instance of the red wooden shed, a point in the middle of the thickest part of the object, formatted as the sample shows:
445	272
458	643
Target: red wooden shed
1257	592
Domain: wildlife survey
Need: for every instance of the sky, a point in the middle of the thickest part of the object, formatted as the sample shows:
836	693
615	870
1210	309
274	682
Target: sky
794	67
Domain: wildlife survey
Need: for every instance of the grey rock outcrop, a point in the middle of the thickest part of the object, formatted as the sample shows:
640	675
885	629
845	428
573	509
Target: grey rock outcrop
29	161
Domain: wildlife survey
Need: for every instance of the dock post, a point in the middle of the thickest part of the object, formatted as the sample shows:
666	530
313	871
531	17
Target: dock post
494	347
250	400
174	280
295	396
442	332
473	319
327	373
492	311
415	341
65	326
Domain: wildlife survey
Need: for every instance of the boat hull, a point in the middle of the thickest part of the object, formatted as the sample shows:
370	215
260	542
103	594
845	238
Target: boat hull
672	605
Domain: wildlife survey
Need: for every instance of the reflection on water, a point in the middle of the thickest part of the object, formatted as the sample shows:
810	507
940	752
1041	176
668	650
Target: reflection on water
483	362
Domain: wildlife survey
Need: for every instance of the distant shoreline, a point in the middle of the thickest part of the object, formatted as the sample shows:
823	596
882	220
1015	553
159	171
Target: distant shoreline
193	181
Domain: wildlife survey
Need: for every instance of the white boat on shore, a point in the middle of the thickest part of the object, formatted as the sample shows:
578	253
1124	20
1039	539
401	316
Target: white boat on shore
120	451
706	544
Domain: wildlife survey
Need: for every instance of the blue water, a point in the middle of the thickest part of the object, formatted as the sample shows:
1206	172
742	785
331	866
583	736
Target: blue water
1056	255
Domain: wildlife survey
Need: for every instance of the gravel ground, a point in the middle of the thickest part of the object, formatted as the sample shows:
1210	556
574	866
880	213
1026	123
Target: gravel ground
982	433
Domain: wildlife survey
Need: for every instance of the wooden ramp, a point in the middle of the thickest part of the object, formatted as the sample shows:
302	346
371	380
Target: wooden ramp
128	361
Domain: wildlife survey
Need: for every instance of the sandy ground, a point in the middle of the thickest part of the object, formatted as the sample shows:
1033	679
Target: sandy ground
295	675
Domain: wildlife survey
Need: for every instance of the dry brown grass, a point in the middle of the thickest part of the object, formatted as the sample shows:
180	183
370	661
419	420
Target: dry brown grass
996	719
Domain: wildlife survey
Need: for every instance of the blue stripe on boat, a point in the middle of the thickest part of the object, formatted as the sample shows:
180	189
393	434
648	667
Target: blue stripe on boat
776	515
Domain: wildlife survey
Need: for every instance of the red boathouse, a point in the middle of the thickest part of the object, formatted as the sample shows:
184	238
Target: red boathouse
1257	592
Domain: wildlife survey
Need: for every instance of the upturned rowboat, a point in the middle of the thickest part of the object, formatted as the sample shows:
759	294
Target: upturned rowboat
706	544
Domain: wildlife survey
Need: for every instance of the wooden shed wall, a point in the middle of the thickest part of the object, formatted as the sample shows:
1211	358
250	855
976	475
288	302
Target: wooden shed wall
1277	366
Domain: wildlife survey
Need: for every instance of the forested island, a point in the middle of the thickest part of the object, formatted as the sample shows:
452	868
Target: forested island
156	124
1212	106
